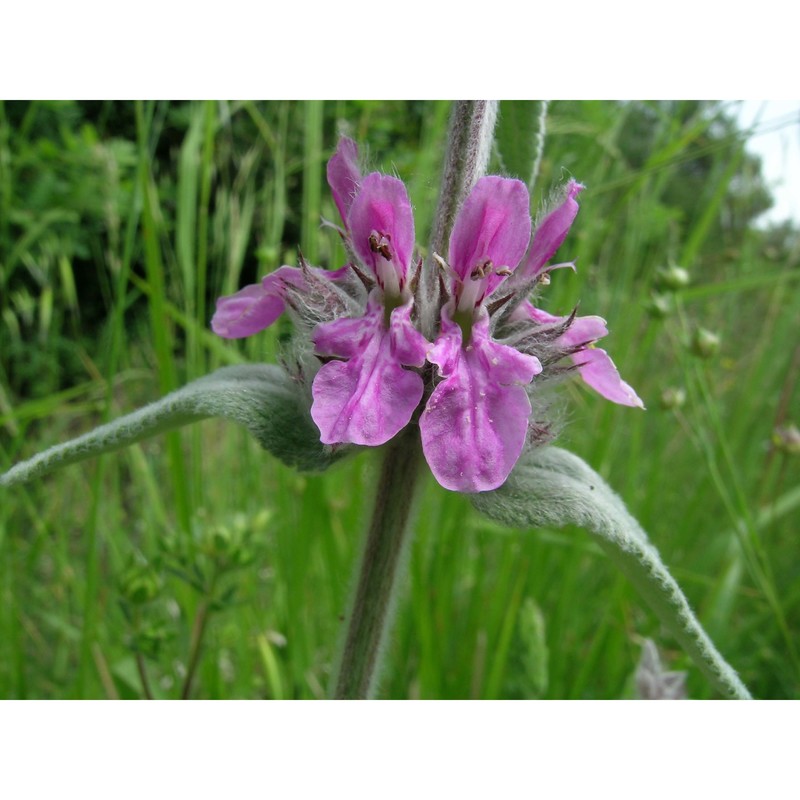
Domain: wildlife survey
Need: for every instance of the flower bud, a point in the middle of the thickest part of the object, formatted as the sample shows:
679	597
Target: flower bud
672	398
659	306
787	439
705	344
672	278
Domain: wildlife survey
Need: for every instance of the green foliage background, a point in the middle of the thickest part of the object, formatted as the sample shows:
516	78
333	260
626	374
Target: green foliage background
197	555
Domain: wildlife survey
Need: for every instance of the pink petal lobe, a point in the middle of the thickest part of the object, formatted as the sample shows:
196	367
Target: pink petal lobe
584	330
594	365
382	207
368	399
409	346
598	370
503	364
335	275
255	307
527	310
494	224
476	421
551	232
348	337
344	175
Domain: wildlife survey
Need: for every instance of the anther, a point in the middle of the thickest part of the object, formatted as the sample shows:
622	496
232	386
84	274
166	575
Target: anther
482	270
379	243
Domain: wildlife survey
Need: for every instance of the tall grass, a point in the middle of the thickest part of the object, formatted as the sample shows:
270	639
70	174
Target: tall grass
199	547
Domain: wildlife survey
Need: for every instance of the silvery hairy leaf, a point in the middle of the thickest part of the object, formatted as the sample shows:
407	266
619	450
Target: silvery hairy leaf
552	487
262	397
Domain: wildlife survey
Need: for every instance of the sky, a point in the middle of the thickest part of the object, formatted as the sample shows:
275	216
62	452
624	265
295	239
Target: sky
776	138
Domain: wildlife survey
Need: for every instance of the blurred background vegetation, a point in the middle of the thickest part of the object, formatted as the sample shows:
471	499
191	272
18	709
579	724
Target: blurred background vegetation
196	565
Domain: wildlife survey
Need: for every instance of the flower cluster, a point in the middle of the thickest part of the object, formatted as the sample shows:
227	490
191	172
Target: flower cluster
471	388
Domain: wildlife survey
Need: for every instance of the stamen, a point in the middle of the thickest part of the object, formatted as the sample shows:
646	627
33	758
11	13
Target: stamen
379	243
445	269
482	270
442	264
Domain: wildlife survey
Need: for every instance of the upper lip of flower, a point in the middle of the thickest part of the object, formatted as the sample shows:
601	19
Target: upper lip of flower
475	424
490	236
344	175
367	395
381	226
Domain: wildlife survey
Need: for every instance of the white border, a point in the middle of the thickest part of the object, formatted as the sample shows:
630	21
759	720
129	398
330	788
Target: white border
399	749
502	48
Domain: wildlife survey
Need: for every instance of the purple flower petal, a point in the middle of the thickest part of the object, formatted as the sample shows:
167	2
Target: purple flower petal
493	225
584	330
551	232
475	424
409	346
343	338
594	365
527	310
598	370
255	307
381	223
344	175
369	398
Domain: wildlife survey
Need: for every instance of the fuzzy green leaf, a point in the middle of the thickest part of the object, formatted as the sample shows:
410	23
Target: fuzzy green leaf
262	397
552	487
520	137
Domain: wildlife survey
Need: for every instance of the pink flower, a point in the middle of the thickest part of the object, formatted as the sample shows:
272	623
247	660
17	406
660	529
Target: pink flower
364	395
367	397
359	337
594	365
494	342
475	424
254	308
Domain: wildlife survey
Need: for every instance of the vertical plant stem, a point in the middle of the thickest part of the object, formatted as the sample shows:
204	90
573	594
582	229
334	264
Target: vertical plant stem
141	668
198	631
469	145
313	117
206	174
540	134
380	570
468	149
104	673
91	585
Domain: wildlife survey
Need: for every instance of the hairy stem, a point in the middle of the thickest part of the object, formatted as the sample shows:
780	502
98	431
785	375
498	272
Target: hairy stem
469	144
468	148
380	571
